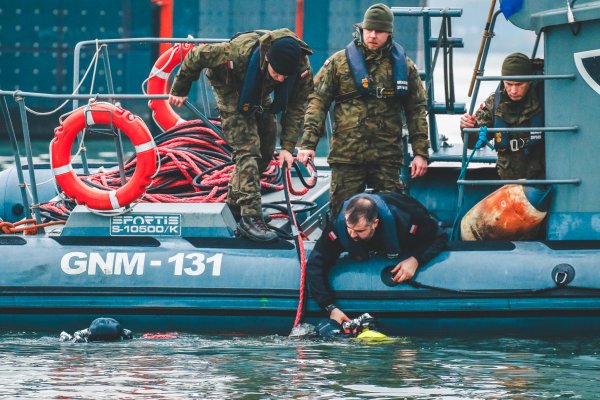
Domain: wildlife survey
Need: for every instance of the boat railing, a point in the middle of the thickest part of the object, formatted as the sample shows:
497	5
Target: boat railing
20	96
102	45
432	46
461	182
110	96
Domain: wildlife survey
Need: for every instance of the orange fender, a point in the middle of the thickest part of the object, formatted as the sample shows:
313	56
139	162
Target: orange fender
505	214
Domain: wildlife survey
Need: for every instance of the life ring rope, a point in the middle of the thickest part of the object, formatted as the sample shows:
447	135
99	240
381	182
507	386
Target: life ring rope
130	125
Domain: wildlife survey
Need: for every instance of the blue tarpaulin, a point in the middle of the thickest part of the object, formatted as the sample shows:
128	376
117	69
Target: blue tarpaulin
510	7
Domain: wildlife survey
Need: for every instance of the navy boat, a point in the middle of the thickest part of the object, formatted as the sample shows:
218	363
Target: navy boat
181	266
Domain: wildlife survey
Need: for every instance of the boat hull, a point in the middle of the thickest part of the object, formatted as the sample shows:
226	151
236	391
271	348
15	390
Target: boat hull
234	286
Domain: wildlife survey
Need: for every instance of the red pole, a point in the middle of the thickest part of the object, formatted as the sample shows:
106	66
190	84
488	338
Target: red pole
299	18
166	22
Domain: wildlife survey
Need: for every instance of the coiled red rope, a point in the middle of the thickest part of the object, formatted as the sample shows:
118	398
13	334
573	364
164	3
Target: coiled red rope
196	165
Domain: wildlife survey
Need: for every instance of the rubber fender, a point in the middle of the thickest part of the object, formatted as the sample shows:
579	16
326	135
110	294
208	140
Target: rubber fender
538	197
506	214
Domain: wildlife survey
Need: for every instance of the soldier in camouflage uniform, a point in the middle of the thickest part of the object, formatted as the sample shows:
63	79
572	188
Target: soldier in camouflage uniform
516	104
366	148
243	73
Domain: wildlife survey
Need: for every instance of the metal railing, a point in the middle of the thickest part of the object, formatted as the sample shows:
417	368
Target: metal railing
112	97
431	48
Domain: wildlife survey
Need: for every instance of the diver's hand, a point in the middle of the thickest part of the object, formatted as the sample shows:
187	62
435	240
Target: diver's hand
339	316
405	270
305	155
177	100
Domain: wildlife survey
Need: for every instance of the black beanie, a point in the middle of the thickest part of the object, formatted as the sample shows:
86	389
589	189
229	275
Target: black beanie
284	56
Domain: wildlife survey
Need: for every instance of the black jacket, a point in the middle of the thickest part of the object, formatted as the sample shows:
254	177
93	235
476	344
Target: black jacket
424	243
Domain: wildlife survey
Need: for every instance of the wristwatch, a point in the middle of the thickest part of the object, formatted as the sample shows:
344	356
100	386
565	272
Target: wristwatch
330	308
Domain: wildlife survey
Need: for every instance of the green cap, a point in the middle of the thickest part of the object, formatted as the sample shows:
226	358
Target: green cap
517	64
379	17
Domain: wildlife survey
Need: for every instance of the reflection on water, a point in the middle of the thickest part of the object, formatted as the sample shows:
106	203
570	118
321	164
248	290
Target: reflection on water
275	367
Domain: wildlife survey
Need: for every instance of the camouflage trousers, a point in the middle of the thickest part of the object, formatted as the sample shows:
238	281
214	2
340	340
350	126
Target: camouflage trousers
252	138
350	179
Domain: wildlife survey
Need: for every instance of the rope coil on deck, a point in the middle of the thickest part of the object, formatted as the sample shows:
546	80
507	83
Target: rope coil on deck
196	165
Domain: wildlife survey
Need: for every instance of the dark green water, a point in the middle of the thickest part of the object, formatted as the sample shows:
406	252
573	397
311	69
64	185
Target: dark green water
41	367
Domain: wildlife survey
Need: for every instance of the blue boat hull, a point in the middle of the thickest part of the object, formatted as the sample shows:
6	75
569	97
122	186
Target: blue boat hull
233	286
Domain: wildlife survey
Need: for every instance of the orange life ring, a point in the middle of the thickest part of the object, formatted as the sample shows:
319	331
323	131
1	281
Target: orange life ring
158	82
133	127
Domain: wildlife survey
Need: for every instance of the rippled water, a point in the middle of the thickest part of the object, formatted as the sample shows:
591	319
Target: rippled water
191	366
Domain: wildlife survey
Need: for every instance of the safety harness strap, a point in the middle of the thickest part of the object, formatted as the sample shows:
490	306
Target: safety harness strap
250	97
363	80
504	142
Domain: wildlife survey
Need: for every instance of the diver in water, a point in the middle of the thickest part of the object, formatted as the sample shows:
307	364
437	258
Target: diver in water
100	330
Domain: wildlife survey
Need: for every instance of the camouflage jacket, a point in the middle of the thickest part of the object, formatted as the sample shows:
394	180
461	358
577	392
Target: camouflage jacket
366	129
514	164
228	83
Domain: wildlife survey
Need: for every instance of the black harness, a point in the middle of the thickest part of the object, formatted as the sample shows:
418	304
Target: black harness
503	141
250	97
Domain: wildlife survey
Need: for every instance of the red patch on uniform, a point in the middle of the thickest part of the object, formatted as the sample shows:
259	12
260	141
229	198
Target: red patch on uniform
229	64
413	229
482	106
304	74
332	236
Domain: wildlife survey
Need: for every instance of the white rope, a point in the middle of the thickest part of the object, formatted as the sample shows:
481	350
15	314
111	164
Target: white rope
157	72
95	67
93	61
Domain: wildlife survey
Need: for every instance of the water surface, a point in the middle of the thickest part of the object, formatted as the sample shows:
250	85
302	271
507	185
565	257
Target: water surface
190	366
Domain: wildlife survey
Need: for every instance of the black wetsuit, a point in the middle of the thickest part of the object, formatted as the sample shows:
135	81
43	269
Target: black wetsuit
418	233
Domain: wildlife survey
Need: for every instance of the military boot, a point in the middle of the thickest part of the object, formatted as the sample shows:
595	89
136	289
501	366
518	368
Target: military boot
236	211
254	228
